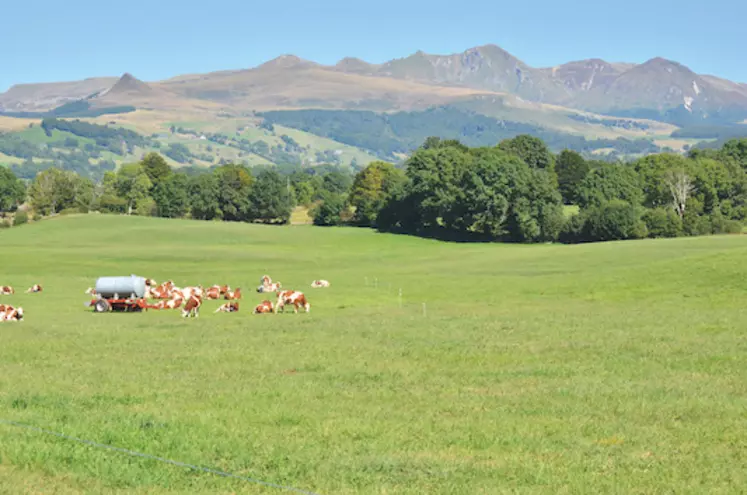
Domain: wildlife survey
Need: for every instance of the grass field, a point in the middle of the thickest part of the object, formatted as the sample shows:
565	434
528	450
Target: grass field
607	368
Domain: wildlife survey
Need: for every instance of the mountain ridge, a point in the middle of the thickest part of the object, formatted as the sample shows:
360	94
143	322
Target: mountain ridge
658	88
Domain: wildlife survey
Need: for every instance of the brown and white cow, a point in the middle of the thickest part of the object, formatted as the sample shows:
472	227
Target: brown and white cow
7	290
174	303
11	314
297	299
150	282
91	291
264	307
216	291
233	295
229	307
267	285
34	289
192	308
160	293
191	291
163	291
319	284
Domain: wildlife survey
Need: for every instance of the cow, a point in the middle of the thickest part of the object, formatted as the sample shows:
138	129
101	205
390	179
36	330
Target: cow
174	303
34	289
216	291
229	307
264	307
150	282
297	299
11	314
7	290
91	291
271	287
266	285
191	291
192	308
233	295
162	291
319	284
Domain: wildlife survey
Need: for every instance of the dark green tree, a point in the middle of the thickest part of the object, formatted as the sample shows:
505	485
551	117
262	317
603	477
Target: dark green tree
571	169
204	197
736	149
532	150
330	210
12	190
614	220
171	196
155	167
270	199
662	222
655	173
371	188
234	186
434	184
337	182
609	182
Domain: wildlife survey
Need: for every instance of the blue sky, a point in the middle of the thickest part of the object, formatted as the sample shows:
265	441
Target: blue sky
46	40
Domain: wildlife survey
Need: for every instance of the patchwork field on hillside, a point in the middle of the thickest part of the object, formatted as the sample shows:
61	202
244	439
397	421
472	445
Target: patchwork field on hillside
598	368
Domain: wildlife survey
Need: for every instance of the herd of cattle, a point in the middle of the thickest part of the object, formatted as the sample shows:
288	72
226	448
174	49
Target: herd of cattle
189	299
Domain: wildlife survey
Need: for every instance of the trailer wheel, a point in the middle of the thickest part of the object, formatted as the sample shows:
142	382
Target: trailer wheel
101	306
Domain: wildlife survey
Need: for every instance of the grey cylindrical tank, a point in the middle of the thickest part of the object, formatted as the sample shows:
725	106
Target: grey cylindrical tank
122	287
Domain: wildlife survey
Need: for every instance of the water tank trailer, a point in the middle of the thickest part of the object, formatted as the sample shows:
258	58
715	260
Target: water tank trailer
119	294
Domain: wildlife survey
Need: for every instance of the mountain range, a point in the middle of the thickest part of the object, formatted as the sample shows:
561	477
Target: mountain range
291	111
658	89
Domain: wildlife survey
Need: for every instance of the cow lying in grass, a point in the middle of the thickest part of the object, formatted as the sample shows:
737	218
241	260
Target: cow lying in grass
163	291
34	289
233	295
297	299
7	290
319	284
216	291
9	313
229	307
264	307
268	285
174	303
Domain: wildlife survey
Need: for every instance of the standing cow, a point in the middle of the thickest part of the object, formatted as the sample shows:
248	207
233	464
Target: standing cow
192	308
297	299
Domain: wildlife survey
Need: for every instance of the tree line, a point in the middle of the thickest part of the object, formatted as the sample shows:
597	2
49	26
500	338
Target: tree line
516	191
519	191
152	188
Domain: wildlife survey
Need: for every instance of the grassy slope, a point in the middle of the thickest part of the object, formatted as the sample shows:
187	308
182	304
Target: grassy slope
615	367
36	135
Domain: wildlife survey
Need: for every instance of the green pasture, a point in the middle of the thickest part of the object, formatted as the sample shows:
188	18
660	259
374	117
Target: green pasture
598	368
